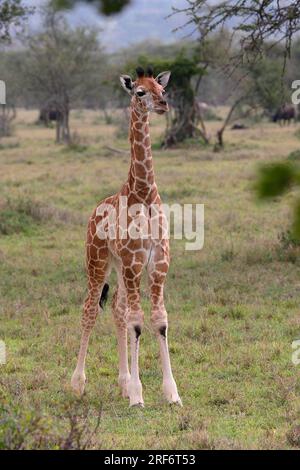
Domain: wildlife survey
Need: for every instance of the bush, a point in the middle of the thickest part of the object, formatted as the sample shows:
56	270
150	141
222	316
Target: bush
29	429
294	156
14	220
25	430
23	215
274	179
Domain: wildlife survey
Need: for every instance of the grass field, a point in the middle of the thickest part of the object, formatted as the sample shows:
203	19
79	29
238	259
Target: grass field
233	306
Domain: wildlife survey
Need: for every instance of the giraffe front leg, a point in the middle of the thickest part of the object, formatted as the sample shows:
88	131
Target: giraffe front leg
135	323
160	325
78	378
159	320
135	389
119	308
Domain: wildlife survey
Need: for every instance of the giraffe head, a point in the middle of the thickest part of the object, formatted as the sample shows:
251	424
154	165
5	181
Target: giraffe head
148	93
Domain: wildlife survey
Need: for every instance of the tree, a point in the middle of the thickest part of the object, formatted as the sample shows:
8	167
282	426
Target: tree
10	63
241	105
257	86
181	90
260	27
12	12
181	95
214	54
269	87
255	23
62	67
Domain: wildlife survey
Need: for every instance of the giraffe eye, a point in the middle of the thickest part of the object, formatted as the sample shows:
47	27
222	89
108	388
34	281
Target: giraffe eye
141	93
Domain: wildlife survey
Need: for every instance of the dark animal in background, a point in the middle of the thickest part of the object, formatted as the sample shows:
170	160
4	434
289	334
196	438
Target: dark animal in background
49	114
285	114
238	127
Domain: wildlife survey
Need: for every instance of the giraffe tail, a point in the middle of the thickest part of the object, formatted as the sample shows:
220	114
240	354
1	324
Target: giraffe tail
104	295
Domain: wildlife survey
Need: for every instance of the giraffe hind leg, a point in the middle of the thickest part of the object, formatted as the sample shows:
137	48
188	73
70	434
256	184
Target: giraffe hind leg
98	291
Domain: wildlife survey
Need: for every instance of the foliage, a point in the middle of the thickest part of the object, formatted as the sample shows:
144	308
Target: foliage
62	67
12	12
296	222
183	68
294	156
24	215
261	82
14	221
23	430
268	88
30	429
11	64
275	179
255	23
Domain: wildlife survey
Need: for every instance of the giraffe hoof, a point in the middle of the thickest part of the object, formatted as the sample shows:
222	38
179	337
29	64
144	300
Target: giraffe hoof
135	393
78	383
177	402
171	393
139	404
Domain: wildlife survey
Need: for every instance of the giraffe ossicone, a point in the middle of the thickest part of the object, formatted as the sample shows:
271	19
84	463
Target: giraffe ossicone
129	255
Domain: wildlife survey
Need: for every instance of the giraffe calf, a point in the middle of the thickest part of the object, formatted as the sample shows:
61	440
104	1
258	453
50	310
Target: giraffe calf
130	255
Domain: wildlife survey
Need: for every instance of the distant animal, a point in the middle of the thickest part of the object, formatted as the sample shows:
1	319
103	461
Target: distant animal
238	127
49	114
285	114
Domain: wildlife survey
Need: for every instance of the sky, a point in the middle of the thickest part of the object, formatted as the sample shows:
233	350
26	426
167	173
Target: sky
142	20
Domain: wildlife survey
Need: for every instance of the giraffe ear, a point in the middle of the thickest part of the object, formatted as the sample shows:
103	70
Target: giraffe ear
163	78
126	83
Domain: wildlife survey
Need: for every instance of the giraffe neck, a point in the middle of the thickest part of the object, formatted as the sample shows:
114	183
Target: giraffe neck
141	175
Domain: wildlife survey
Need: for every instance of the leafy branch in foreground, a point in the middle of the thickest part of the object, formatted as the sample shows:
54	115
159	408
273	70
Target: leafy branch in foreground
106	7
277	178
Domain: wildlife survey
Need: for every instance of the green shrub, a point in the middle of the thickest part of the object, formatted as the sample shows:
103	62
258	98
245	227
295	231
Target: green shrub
23	215
274	179
294	156
15	219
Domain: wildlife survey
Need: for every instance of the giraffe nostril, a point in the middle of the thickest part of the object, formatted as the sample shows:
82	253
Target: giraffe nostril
163	102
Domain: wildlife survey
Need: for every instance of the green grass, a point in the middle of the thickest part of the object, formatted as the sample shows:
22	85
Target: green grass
233	306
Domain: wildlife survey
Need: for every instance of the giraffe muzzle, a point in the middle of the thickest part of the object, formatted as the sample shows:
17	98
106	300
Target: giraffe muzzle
162	109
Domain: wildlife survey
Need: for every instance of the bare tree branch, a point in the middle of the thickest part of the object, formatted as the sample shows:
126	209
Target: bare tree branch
254	23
